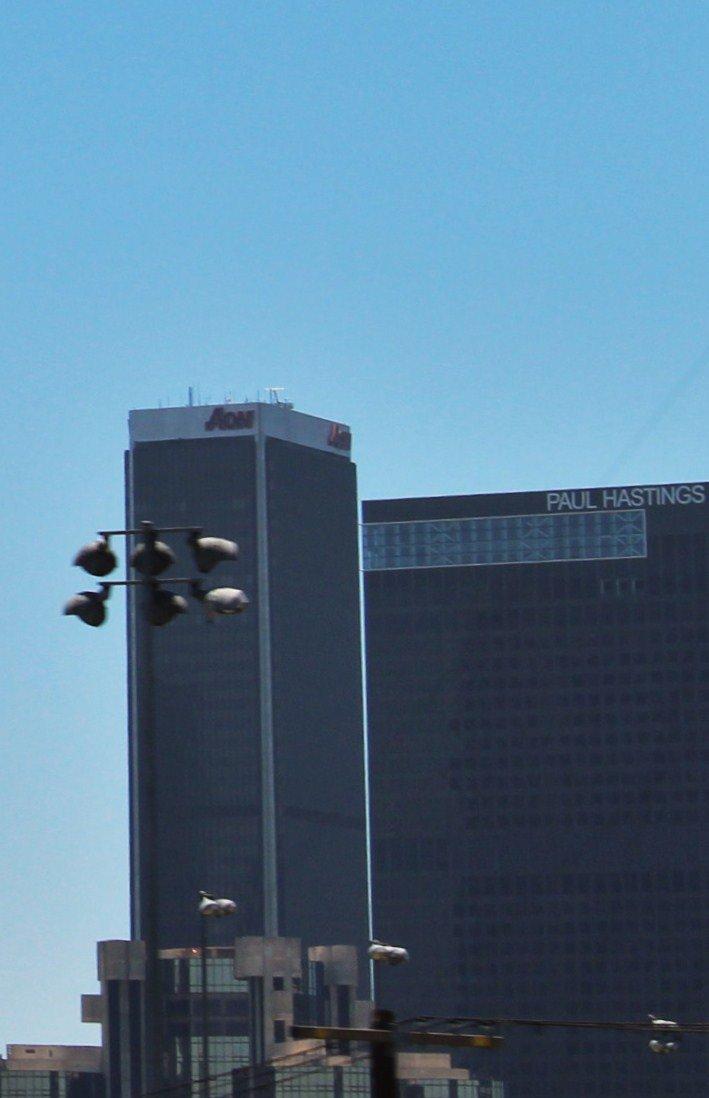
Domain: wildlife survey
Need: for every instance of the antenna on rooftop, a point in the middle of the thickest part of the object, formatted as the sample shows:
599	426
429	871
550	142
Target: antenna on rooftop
273	391
190	396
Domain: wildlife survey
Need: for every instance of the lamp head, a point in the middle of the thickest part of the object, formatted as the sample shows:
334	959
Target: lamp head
96	558
151	557
221	600
163	606
208	552
89	606
215	906
387	954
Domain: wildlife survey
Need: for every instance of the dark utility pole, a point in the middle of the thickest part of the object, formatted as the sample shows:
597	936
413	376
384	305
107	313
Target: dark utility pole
383	1058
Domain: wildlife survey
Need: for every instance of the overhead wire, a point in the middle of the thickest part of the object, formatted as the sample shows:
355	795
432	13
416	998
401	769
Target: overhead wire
260	1068
659	411
307	1065
308	1061
541	1023
356	1059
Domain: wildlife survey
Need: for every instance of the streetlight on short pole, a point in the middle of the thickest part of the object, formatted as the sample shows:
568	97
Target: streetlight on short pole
383	1054
209	907
150	558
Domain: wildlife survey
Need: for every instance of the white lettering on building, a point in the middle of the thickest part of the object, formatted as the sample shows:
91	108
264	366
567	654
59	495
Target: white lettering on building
613	499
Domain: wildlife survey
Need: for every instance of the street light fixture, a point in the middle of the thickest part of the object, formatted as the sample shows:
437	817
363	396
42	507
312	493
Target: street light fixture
97	558
88	606
212	906
209	907
387	954
671	1035
220	600
163	606
151	558
208	552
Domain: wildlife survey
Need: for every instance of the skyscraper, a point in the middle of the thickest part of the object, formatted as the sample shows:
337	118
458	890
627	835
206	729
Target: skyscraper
537	709
246	750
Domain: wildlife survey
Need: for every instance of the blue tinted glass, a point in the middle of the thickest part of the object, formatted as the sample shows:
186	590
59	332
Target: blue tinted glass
516	539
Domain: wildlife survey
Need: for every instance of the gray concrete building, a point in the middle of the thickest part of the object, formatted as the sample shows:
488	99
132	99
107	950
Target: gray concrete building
119	1009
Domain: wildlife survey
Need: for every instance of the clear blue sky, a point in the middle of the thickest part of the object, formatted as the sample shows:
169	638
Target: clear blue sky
475	231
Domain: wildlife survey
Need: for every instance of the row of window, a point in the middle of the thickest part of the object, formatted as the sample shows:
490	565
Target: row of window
50	1084
586	766
545	701
551	916
674	880
489	732
506	539
585	819
185	974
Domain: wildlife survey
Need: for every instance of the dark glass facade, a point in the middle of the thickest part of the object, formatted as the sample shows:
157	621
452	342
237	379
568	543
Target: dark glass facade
247	772
537	708
195	739
228	1020
317	695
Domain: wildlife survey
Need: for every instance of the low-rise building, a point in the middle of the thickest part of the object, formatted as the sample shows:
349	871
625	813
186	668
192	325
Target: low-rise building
51	1071
256	991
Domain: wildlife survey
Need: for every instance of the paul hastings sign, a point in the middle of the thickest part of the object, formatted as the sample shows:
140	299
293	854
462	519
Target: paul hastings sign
617	499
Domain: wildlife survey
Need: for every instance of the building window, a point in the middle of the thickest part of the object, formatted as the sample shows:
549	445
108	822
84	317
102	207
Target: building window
278	983
504	539
279	1031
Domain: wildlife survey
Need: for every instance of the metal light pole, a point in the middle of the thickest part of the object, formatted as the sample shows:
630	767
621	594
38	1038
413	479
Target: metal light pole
209	906
149	559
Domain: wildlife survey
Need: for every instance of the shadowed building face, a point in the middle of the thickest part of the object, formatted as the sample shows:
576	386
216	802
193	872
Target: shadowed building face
247	768
538	702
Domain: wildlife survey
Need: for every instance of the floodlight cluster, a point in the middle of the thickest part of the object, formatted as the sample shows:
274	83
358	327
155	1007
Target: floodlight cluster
150	558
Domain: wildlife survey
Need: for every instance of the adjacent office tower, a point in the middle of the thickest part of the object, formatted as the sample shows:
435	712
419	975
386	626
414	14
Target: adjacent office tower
538	704
246	750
